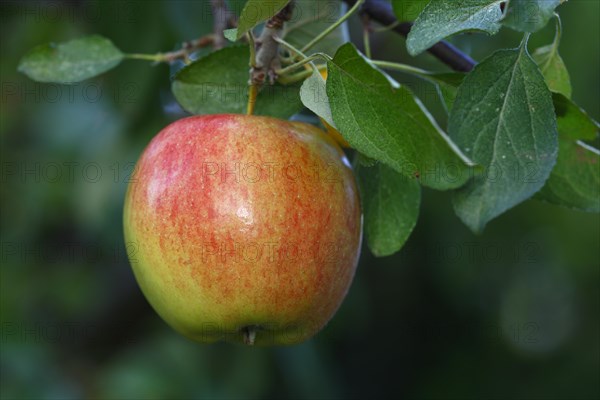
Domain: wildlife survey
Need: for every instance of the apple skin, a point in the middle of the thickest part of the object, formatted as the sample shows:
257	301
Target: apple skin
243	228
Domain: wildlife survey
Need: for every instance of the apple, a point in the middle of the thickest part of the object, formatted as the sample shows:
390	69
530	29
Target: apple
243	228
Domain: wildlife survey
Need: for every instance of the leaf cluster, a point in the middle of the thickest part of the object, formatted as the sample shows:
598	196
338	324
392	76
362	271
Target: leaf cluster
513	131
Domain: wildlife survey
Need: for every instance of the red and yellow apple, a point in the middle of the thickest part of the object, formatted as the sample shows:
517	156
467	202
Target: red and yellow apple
245	228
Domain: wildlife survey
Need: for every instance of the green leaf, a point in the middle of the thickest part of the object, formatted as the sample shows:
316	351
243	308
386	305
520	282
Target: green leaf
257	11
313	94
572	121
218	83
503	118
529	15
552	66
72	61
310	19
441	19
386	122
554	70
391	207
575	180
230	34
408	10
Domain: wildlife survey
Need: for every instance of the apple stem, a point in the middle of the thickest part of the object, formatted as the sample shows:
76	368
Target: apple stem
252	95
249	335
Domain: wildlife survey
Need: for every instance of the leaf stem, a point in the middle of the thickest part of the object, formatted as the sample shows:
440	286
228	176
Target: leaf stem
367	41
401	67
182	54
289	46
306	21
148	57
524	42
299	76
306	60
558	34
332	27
366	24
250	38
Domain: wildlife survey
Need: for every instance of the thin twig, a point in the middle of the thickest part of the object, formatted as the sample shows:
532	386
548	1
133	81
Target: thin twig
332	27
182	54
366	23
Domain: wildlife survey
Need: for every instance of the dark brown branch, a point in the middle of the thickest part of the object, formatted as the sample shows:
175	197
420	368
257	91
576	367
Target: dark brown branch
382	12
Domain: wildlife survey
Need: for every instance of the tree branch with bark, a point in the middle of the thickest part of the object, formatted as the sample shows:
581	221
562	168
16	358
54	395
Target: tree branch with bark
267	48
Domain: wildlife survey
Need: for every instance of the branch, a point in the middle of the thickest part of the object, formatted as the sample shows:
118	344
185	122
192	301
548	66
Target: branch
222	19
182	54
267	49
189	47
382	12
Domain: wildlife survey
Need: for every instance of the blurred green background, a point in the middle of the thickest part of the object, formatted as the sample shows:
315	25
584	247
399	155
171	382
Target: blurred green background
513	313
